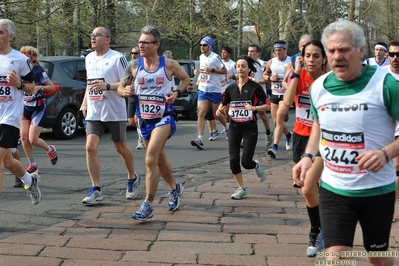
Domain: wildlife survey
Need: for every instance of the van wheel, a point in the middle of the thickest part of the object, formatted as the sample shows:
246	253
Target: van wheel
66	126
193	113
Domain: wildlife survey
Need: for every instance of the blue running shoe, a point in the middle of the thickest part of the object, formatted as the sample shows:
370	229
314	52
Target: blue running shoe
132	187
272	152
145	212
94	196
174	197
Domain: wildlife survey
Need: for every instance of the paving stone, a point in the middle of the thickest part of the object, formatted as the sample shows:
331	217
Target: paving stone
28	260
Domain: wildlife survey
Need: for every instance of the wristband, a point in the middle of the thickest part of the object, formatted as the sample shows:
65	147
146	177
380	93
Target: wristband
178	93
385	153
22	85
294	75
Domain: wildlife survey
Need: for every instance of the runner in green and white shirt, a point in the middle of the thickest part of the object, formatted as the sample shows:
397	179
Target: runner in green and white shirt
355	114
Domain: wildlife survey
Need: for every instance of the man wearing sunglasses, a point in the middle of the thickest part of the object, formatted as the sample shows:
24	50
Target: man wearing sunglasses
211	74
131	105
393	68
135	53
104	108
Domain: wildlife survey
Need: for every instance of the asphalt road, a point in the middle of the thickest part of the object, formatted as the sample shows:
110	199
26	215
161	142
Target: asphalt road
65	184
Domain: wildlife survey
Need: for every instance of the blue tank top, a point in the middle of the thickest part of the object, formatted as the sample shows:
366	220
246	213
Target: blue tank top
151	89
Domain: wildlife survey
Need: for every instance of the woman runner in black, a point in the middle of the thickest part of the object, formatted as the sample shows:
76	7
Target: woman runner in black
244	98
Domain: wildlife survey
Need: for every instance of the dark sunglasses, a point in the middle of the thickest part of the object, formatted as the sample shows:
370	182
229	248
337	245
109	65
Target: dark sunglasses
136	53
203	45
393	54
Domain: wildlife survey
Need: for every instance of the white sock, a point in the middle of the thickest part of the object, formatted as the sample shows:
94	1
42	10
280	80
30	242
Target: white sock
27	179
201	137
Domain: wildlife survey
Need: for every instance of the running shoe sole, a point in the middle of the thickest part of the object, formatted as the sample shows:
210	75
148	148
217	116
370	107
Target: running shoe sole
143	219
196	144
271	153
96	201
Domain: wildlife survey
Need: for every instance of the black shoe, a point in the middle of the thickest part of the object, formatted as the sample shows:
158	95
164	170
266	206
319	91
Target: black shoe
18	182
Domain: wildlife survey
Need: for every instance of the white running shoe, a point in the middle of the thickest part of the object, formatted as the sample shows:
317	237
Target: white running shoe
288	143
132	189
94	196
240	193
140	145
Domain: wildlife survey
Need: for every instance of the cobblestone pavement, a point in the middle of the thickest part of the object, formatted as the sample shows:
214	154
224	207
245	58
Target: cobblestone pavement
270	227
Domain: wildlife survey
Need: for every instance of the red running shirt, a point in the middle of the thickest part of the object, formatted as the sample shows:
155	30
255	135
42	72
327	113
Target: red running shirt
303	114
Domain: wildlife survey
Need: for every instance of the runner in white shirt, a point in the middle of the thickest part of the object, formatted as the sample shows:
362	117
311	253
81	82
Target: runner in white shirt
104	108
211	74
354	108
393	68
131	104
226	80
230	78
230	65
275	72
254	53
16	77
380	59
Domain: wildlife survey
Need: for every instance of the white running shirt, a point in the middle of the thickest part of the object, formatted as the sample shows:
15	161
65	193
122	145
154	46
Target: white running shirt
258	75
210	82
105	106
372	62
279	67
231	70
12	99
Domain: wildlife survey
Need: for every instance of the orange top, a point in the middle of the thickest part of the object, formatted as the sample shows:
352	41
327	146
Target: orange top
303	114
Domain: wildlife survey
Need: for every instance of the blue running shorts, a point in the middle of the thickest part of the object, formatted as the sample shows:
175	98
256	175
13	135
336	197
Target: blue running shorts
214	97
147	125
